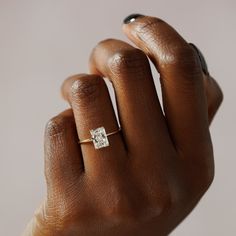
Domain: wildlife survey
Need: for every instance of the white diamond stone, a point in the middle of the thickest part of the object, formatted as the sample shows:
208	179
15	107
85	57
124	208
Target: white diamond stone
99	138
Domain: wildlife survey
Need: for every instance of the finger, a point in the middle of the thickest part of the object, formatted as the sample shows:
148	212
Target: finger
140	113
92	107
214	96
212	90
181	77
63	159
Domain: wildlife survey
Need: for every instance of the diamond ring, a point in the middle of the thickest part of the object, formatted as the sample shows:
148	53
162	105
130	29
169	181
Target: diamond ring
99	137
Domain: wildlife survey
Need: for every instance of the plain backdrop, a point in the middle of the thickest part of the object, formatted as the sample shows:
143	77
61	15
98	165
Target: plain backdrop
43	42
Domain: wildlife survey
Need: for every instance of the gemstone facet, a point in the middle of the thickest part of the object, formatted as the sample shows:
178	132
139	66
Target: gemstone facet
99	137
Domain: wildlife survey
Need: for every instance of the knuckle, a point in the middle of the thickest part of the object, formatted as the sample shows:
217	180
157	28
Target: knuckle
164	202
183	56
55	126
128	61
120	205
172	50
86	89
123	207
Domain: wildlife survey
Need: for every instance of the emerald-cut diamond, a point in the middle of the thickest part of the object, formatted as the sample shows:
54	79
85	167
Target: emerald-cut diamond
99	137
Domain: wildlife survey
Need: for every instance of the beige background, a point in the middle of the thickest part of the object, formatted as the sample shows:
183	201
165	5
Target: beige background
42	42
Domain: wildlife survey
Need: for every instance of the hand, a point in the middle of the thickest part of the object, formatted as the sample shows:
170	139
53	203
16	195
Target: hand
155	171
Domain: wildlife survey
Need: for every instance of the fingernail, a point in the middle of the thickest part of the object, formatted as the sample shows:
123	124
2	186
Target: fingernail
131	18
202	59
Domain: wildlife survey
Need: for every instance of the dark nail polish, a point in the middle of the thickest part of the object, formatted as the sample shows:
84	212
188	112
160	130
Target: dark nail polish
202	59
131	18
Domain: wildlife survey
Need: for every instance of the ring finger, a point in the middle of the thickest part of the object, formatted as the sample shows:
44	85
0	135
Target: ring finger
89	98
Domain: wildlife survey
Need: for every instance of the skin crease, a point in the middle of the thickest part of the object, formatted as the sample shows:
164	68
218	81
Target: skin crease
156	170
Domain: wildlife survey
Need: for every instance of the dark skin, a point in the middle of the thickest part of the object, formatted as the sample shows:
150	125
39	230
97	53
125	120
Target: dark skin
156	170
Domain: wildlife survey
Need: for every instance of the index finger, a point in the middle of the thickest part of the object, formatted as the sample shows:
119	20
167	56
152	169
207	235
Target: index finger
181	76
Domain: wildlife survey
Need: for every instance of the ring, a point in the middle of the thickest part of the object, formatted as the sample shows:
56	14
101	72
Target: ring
99	137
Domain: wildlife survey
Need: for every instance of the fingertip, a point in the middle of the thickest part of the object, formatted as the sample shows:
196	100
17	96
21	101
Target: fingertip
142	30
69	84
54	127
58	126
129	22
131	18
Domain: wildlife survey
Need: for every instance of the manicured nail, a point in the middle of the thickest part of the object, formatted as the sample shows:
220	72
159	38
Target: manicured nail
202	59
131	18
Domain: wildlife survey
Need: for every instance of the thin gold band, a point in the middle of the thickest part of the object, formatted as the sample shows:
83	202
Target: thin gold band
90	140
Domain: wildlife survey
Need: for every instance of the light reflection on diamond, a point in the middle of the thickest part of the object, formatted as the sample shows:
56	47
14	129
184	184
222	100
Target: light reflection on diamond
99	138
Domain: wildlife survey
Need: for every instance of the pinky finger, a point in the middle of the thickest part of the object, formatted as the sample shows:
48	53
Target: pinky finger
63	159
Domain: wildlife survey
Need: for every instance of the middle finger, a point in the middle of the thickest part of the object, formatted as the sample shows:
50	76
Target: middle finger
139	109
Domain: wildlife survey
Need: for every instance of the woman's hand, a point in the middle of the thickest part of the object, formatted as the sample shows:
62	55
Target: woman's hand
157	168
